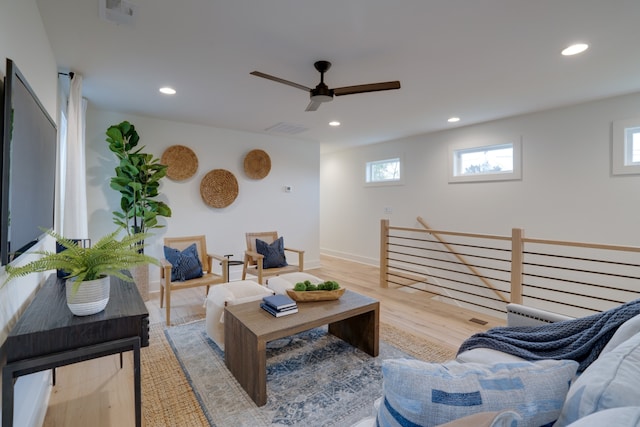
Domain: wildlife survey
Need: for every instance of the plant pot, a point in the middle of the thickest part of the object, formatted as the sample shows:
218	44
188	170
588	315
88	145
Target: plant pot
91	298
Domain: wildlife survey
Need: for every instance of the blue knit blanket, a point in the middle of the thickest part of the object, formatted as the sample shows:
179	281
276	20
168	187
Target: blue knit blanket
581	339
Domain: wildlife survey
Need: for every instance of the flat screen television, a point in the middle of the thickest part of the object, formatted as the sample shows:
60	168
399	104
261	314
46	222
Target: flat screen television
28	165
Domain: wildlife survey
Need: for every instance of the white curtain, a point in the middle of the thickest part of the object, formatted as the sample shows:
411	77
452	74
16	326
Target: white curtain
63	92
73	189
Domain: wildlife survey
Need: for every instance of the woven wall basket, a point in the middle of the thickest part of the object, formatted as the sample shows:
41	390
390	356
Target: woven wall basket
219	188
182	162
257	164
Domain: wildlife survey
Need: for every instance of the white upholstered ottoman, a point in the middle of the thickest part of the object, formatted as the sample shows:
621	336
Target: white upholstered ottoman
225	294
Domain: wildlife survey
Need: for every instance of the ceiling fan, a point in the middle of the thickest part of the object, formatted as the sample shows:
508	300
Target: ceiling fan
322	93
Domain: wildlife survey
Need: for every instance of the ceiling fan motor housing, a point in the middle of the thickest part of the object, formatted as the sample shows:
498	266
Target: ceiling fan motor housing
321	93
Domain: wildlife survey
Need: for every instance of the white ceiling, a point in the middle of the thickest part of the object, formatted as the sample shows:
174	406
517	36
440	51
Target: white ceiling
477	59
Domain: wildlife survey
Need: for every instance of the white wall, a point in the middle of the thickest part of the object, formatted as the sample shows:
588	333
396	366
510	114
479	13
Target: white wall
261	205
567	191
23	39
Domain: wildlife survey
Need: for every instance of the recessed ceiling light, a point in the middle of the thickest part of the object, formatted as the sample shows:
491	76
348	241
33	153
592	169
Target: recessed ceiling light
334	123
168	90
453	119
575	49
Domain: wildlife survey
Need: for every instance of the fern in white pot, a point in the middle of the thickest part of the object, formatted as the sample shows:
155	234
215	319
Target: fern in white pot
87	270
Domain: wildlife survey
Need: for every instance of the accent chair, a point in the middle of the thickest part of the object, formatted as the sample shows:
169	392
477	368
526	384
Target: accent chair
265	256
187	265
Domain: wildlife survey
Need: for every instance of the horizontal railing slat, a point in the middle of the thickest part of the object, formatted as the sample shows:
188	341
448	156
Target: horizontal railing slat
577	277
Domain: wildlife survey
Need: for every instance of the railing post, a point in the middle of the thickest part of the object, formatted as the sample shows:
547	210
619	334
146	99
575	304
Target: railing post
384	247
517	257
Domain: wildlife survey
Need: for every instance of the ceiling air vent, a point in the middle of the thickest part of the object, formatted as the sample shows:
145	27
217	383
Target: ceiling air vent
116	11
288	128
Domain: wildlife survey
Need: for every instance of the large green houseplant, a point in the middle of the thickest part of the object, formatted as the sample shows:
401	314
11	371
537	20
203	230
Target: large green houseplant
137	179
87	270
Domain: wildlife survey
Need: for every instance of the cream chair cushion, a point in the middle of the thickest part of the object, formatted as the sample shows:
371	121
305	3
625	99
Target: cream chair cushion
231	293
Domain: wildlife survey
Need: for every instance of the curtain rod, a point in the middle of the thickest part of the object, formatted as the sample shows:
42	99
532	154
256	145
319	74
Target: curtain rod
70	74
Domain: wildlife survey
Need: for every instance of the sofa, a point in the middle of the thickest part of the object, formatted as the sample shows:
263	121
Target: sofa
486	387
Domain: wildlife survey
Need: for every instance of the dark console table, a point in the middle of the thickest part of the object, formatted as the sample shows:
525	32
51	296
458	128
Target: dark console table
48	335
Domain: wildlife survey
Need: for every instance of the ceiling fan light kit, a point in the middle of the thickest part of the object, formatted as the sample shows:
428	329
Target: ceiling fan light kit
321	93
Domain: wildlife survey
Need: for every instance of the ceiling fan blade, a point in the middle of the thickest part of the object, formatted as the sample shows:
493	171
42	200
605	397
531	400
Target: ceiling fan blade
279	80
371	87
313	105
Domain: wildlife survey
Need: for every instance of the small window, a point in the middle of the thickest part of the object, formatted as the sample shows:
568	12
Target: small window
632	146
484	160
384	171
485	163
626	147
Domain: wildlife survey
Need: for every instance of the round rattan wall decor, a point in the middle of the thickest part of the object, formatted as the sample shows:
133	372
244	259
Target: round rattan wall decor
219	188
257	164
182	162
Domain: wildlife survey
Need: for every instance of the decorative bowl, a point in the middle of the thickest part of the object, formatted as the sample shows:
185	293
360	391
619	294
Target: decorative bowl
309	296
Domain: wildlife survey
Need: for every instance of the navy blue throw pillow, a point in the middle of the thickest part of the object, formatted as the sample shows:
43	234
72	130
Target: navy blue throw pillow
185	264
273	253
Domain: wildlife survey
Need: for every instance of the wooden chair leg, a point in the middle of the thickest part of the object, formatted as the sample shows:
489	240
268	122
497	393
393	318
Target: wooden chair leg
161	293
168	308
260	271
244	267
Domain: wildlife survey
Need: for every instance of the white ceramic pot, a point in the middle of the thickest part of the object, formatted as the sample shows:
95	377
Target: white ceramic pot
91	298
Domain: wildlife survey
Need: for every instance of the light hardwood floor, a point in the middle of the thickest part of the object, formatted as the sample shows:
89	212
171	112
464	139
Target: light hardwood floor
99	393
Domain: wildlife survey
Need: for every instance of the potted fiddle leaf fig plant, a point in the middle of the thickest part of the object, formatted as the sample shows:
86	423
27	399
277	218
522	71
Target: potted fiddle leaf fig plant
137	179
87	270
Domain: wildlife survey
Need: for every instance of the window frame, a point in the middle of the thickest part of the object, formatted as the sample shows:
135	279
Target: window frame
369	163
514	175
620	149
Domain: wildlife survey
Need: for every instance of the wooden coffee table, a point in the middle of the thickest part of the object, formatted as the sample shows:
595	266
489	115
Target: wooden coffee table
353	318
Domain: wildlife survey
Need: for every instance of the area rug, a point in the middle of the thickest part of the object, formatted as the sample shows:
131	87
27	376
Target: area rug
313	379
169	400
167	397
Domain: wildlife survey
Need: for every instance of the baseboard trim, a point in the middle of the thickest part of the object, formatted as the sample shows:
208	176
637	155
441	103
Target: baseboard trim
374	262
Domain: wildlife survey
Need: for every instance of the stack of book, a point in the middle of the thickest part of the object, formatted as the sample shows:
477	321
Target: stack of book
279	305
